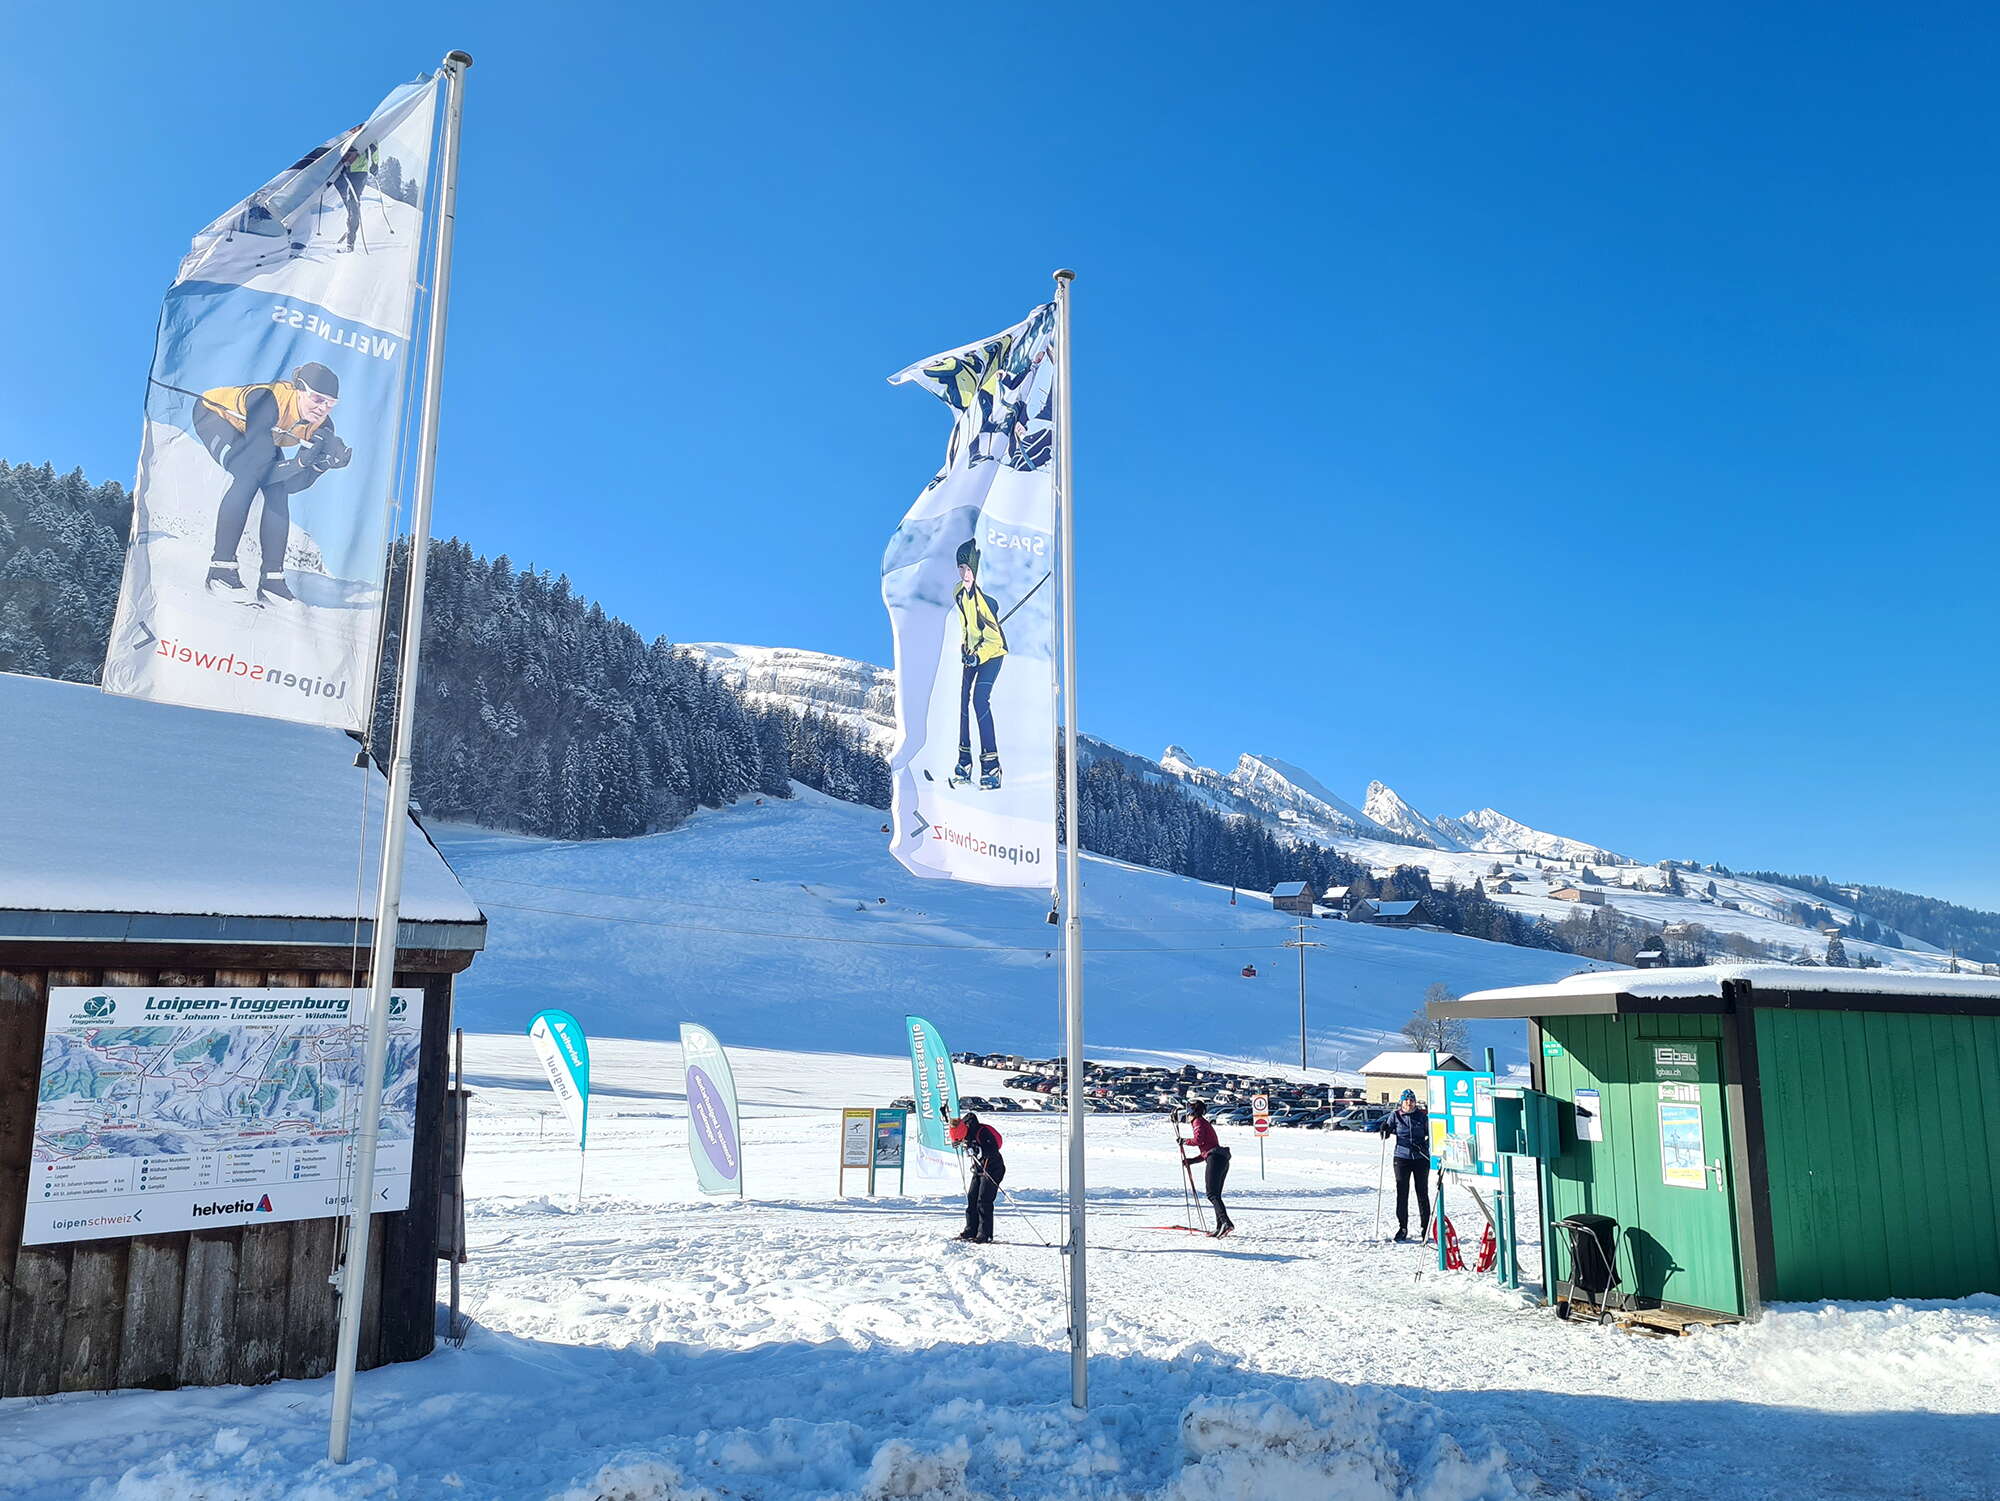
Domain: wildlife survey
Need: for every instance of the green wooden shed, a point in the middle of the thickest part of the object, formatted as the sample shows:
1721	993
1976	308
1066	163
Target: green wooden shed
1768	1133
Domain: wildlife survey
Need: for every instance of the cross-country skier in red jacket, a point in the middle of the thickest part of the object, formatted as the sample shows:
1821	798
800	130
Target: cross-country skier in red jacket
982	1144
1201	1136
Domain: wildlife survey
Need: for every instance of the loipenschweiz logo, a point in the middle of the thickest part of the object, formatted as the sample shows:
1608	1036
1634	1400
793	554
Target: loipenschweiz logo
397	1005
97	1005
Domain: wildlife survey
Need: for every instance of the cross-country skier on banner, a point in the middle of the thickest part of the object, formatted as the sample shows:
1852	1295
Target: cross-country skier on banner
982	649
1201	1136
247	430
982	1144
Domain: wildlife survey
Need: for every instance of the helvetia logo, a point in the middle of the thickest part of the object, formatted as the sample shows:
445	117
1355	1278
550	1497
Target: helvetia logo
241	1206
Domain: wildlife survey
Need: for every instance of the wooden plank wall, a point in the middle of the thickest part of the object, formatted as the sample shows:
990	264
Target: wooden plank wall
1882	1140
243	1305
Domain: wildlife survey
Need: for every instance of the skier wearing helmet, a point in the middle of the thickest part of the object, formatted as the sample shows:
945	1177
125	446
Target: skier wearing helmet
982	647
248	430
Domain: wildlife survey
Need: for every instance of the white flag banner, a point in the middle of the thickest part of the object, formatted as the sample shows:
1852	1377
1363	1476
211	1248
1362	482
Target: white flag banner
255	577
969	582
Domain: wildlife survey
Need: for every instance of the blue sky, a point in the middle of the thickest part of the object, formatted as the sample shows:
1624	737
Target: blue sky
1582	412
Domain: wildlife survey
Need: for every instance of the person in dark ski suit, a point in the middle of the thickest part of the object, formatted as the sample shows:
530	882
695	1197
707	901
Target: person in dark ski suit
357	164
989	1169
1410	1125
1201	1136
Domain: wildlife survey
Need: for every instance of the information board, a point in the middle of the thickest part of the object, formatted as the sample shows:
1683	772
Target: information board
890	1129
1463	1138
167	1109
857	1137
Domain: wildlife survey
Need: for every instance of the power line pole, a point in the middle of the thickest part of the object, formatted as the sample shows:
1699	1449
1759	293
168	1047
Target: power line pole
1302	943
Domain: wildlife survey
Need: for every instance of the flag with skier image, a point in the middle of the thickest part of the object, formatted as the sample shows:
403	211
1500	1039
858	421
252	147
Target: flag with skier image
255	580
964	578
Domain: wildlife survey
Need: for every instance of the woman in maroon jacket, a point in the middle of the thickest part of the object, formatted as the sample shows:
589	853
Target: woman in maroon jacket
1201	1136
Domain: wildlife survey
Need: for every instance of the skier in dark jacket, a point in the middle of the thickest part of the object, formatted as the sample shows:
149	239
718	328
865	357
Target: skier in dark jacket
1201	1136
1410	1125
982	1144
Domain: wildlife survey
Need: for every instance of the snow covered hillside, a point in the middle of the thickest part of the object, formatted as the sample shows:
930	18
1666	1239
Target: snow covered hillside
855	693
1385	831
786	924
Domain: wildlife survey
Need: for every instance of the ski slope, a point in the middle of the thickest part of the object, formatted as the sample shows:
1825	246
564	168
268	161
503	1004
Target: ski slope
787	925
653	1345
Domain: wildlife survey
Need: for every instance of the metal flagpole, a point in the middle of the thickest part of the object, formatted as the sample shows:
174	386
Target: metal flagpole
1079	1295
389	889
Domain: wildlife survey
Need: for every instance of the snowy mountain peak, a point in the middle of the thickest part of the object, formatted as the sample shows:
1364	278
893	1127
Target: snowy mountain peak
1179	762
1397	816
1490	829
1299	799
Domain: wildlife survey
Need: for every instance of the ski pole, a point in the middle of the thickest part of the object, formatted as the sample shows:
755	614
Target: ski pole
1381	1173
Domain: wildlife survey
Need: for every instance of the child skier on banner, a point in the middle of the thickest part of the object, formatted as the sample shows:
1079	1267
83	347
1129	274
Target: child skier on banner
982	1144
1201	1136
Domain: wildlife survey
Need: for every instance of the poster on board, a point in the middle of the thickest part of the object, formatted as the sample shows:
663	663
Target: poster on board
857	1138
1589	1116
1683	1158
164	1109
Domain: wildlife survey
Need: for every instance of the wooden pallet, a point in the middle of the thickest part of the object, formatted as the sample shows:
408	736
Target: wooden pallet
1665	1322
1654	1323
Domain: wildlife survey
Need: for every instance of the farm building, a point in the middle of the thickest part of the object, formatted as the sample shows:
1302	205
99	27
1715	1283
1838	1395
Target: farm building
1391	914
1385	1076
1765	1133
220	881
1292	896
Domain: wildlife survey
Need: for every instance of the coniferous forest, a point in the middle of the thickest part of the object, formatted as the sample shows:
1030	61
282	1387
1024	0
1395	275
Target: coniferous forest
541	714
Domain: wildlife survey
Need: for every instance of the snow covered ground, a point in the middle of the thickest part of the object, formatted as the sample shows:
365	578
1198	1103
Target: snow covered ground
651	1344
787	925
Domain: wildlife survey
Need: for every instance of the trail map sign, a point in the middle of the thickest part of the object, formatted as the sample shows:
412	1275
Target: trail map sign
162	1110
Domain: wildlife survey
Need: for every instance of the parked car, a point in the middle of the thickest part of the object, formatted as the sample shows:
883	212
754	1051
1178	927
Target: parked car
1360	1118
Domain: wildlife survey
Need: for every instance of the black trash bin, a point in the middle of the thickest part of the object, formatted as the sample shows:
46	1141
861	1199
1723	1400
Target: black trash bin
1593	1266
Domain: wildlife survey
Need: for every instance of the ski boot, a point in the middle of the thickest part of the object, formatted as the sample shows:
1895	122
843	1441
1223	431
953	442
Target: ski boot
273	586
223	579
989	773
961	774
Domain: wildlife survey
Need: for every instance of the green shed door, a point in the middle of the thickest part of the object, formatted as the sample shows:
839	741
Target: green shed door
1682	1243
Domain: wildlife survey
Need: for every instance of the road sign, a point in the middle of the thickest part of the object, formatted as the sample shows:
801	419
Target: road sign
1260	1113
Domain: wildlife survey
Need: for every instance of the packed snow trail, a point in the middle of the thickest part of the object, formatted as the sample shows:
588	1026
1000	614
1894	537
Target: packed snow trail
659	1345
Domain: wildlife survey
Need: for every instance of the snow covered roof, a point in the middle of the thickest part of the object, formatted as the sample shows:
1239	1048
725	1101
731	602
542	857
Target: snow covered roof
1289	888
115	805
1393	909
1407	1064
1598	990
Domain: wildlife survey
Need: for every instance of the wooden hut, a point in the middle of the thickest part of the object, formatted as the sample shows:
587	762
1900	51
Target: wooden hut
170	849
